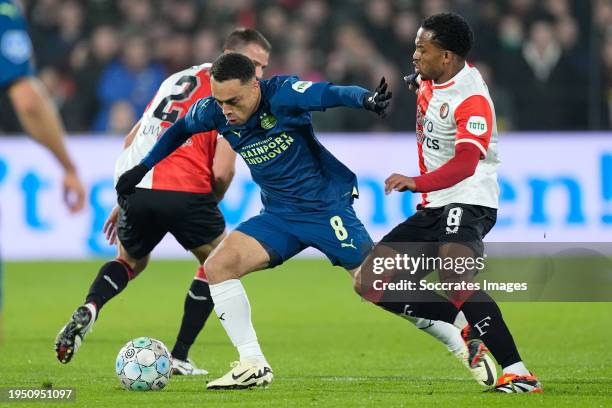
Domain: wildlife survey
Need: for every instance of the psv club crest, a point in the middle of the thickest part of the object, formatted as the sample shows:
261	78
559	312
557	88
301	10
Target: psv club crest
267	121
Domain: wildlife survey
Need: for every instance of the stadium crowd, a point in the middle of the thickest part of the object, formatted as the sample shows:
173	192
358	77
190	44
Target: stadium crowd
548	63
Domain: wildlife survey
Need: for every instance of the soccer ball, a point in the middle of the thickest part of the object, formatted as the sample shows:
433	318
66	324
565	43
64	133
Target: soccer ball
143	364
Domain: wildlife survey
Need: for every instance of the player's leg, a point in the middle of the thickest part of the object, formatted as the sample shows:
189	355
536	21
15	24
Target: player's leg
198	226
427	310
487	324
197	308
258	243
137	235
469	224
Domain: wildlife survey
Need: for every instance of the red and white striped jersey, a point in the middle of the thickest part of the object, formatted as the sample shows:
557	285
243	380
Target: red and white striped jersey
458	111
189	168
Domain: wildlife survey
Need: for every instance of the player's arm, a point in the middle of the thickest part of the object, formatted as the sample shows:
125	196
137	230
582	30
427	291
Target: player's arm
318	96
474	119
198	119
131	136
457	169
40	119
224	167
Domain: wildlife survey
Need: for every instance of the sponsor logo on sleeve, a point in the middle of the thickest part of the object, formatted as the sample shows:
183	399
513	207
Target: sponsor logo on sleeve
16	46
301	86
476	125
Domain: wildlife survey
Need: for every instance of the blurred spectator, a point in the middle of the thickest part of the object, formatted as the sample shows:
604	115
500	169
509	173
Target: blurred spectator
532	51
543	80
121	118
134	78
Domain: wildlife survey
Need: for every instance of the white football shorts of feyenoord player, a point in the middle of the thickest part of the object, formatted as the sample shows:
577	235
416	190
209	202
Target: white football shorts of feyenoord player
458	111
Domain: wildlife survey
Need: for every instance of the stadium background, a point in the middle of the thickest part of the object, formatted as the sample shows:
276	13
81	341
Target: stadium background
328	348
548	65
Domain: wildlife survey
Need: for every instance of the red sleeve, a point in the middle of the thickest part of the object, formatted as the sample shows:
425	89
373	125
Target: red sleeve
457	169
474	119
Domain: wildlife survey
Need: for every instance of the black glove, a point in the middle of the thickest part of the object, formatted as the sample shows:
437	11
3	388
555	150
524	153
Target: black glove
378	101
411	80
128	180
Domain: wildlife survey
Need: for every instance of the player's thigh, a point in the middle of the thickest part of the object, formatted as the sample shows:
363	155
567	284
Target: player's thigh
415	237
338	233
276	234
467	225
203	251
236	255
193	219
138	227
462	230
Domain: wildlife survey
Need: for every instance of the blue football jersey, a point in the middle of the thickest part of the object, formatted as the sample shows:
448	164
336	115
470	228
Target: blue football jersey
15	45
295	172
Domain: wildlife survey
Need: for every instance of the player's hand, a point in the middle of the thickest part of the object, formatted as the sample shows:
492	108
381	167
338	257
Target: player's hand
74	192
110	226
378	101
412	81
399	182
127	182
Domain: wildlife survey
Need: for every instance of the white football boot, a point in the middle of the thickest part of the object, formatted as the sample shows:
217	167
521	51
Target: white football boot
186	367
244	374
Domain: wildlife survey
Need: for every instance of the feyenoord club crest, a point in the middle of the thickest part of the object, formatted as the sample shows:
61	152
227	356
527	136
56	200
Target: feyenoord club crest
444	110
267	121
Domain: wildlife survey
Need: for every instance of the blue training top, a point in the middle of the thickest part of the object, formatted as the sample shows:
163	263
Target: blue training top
15	45
295	172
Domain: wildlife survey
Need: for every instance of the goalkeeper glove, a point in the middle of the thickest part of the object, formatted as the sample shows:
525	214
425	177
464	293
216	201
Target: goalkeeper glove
378	102
127	182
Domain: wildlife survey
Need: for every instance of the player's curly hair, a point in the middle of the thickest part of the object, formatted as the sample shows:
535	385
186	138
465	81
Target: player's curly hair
233	66
451	32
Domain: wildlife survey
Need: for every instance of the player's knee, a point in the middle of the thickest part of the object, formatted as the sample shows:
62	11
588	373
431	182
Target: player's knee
222	265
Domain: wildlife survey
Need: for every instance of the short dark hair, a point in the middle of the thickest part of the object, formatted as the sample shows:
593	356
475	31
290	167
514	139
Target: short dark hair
233	66
451	32
242	37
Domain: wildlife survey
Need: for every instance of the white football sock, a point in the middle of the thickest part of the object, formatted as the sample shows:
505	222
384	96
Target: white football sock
234	311
442	331
516	368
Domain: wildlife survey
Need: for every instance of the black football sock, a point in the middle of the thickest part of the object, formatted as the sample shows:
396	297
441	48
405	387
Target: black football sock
198	306
111	280
486	320
425	304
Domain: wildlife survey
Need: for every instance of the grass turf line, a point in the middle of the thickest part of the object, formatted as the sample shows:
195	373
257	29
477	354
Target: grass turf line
327	347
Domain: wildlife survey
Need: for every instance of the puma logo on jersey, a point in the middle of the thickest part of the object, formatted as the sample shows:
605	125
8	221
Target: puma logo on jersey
345	245
237	133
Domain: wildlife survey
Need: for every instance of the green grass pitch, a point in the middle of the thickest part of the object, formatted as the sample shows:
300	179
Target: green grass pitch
327	347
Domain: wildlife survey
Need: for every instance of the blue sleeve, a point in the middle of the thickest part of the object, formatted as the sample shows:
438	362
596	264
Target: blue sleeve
314	96
198	119
15	46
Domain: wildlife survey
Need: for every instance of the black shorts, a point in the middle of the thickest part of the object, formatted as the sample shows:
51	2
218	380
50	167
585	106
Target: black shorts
460	223
147	215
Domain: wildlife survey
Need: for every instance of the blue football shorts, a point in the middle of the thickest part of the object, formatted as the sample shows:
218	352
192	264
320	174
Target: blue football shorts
337	233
